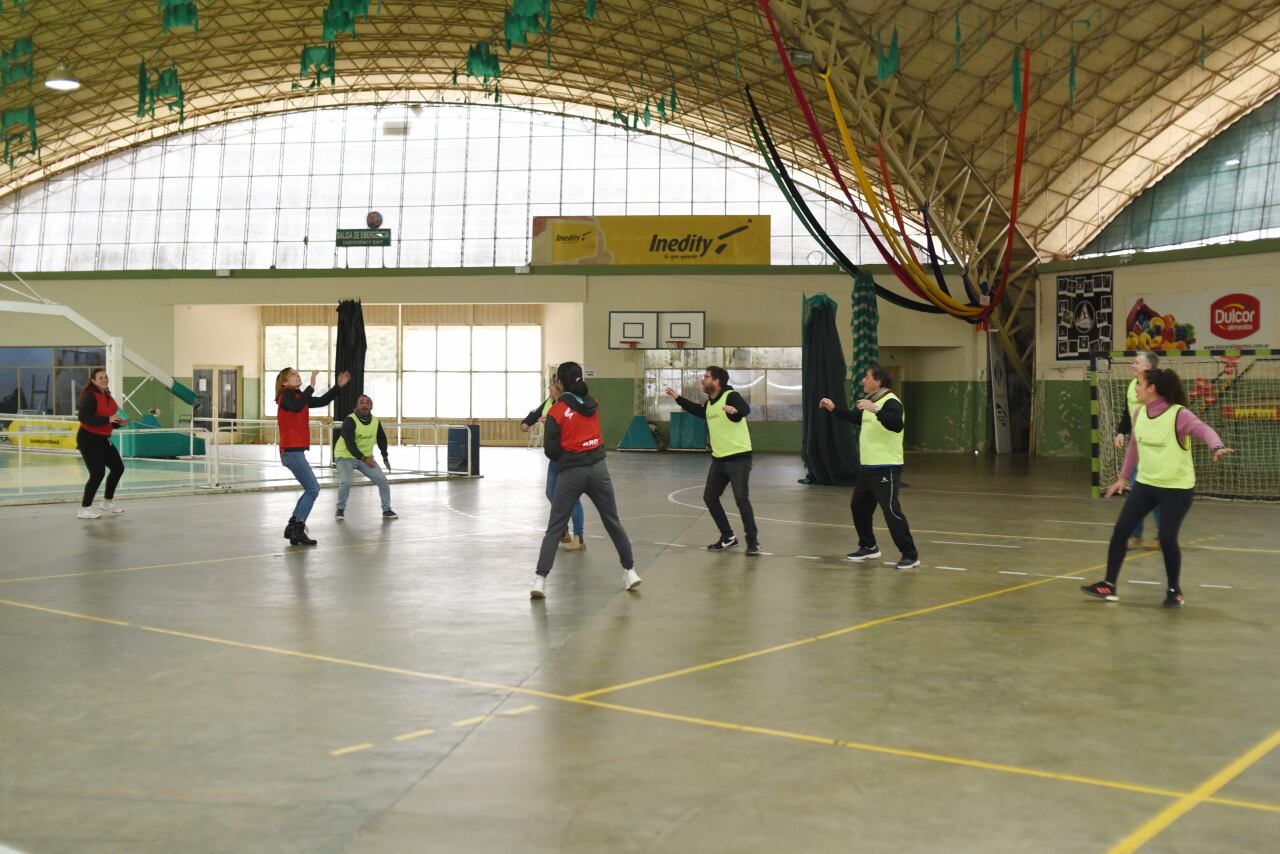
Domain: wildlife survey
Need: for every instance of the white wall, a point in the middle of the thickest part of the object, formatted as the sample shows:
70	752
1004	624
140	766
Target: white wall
217	335
562	333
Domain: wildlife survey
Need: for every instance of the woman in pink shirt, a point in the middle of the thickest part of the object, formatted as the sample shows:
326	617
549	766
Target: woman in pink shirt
1166	478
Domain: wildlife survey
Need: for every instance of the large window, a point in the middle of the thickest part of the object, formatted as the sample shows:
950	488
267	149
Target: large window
421	371
47	380
457	185
768	378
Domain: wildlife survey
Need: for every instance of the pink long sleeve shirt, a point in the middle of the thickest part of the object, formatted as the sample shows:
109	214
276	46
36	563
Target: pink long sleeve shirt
1186	425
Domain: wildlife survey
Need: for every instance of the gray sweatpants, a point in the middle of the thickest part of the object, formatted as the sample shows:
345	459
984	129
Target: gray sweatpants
574	482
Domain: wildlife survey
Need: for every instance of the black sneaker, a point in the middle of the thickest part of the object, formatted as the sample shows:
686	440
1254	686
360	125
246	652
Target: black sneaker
907	563
340	516
1102	590
1173	598
863	554
721	545
389	514
753	548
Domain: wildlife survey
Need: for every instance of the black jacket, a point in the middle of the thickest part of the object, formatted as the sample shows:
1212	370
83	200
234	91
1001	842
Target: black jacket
534	414
88	412
734	399
890	416
296	400
349	435
551	436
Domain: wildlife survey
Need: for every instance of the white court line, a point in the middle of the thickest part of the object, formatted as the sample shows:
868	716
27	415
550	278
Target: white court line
979	545
1219	586
1072	522
673	545
808	557
1011	572
953	568
1147	582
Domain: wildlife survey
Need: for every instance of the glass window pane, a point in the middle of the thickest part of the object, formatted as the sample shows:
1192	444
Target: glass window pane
419	395
524	392
453	395
381	352
453	348
381	386
783	401
281	347
751	385
488	348
524	348
313	349
419	348
489	395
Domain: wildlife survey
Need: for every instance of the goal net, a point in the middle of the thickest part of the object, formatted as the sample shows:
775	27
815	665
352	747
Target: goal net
1236	392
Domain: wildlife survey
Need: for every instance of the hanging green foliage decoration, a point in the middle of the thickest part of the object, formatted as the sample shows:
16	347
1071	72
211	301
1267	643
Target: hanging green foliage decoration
165	89
17	63
482	62
340	17
317	62
18	127
178	13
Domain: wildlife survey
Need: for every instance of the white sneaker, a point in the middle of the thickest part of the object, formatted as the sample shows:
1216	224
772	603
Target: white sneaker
88	513
630	580
538	590
110	507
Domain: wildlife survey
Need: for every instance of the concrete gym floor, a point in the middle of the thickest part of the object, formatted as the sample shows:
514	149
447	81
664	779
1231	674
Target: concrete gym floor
179	679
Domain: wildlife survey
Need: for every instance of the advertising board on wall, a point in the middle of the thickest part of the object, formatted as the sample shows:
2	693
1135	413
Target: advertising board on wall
1242	318
619	240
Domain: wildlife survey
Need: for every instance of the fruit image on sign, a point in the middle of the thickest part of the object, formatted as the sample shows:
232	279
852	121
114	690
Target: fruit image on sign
1235	316
1148	329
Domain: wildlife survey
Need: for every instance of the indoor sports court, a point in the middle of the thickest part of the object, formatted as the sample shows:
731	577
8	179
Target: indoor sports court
916	370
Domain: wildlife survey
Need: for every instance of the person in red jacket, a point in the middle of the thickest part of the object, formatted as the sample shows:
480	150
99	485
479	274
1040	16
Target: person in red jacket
292	405
572	440
99	415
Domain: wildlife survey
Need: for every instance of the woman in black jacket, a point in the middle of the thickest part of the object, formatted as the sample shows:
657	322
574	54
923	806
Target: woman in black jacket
99	414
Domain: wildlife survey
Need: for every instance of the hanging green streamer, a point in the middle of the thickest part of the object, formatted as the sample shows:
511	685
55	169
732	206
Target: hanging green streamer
1071	77
18	126
591	10
958	40
1203	51
548	55
737	66
673	95
662	108
1017	79
647	115
887	61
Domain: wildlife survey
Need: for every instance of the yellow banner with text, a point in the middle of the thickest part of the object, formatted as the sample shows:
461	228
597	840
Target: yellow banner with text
683	240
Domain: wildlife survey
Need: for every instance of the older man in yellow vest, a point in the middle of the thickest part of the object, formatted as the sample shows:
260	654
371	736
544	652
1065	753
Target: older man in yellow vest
360	432
880	419
726	414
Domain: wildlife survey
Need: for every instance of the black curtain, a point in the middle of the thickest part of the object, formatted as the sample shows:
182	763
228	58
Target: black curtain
829	453
349	356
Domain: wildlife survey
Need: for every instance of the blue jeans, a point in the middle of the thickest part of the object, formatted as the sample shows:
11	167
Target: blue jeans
553	475
345	467
1137	531
296	462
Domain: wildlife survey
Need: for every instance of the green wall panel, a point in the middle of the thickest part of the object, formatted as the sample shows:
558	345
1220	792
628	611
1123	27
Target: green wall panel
153	395
946	416
1062	418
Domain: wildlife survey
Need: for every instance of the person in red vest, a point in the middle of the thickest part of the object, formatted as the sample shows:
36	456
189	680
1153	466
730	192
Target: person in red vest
572	440
99	415
292	405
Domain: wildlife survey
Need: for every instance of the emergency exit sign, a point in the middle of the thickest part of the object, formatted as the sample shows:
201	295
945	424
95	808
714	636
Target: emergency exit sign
348	237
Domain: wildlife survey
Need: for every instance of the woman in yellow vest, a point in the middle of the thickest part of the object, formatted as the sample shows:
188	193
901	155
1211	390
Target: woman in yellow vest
881	421
576	541
726	415
1162	431
354	452
1143	362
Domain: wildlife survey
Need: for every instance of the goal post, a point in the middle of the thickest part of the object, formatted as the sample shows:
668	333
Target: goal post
1236	392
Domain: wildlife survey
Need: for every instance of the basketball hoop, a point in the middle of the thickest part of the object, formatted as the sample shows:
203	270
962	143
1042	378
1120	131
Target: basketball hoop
629	345
676	345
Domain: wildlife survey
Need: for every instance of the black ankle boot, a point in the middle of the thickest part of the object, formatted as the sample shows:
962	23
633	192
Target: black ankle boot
299	537
288	529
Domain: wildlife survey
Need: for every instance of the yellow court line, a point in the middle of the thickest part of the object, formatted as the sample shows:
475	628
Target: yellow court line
1202	793
41	608
651	713
478	719
412	735
520	711
343	751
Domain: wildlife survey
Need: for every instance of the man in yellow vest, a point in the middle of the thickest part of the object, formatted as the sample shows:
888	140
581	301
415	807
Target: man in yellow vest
1143	362
726	414
880	419
360	432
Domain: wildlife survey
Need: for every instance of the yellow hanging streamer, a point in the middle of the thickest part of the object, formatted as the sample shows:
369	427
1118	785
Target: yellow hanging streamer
904	258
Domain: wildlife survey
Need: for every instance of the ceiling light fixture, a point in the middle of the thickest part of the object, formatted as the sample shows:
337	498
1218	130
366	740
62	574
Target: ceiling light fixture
61	79
1235	161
